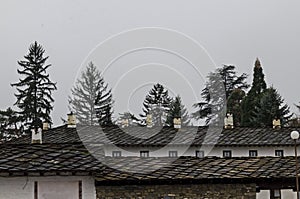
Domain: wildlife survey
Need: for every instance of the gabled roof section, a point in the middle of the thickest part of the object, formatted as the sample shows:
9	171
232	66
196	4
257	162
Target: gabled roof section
75	159
143	136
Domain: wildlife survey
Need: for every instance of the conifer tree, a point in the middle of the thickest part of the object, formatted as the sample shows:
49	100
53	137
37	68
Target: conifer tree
253	97
10	125
271	106
34	90
177	110
84	93
103	103
156	103
234	105
210	105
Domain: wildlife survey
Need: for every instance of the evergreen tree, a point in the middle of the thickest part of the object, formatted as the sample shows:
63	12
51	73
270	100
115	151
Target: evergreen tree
234	105
271	106
103	103
156	103
298	106
251	102
10	125
177	110
34	91
210	105
82	102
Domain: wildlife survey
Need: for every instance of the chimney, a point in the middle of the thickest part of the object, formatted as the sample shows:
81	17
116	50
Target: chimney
228	121
46	126
177	122
36	136
149	121
125	123
71	123
276	124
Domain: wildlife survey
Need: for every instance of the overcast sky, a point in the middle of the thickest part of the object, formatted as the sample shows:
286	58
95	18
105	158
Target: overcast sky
232	32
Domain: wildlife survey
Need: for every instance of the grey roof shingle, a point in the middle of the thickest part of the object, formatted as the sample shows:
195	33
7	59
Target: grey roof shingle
75	159
137	136
62	153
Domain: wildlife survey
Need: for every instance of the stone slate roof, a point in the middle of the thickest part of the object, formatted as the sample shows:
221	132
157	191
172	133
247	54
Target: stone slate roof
143	136
36	158
192	168
75	159
62	153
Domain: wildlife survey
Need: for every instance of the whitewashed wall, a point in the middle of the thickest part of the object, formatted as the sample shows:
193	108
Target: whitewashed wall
23	187
285	194
216	151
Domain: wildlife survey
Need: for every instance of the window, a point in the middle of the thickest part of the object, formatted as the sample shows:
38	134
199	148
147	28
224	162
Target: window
58	189
199	154
279	153
144	154
275	194
252	153
116	154
227	154
173	154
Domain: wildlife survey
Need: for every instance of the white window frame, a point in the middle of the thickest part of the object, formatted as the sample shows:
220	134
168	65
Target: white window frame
173	154
144	154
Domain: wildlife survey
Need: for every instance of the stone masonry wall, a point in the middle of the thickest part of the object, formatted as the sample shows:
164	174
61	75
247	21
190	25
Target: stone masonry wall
194	191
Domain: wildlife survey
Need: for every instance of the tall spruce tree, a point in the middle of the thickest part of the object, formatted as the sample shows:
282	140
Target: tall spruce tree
210	105
177	110
84	93
271	106
10	125
252	100
157	103
34	91
103	103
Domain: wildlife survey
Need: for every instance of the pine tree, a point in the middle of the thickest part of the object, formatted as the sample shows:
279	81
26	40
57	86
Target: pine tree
103	103
10	125
177	110
211	105
252	99
35	89
156	103
298	106
234	105
271	106
82	102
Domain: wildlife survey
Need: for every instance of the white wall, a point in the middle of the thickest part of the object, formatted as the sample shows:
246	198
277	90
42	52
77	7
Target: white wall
263	194
23	187
216	151
285	194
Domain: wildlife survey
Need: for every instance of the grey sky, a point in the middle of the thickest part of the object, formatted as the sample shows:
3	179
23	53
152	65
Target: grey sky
233	32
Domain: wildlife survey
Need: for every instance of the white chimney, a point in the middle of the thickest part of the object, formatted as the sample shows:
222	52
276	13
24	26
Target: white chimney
36	137
149	121
228	121
125	123
46	126
177	123
276	123
71	123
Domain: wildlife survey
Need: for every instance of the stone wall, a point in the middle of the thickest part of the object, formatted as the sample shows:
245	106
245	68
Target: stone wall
194	191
